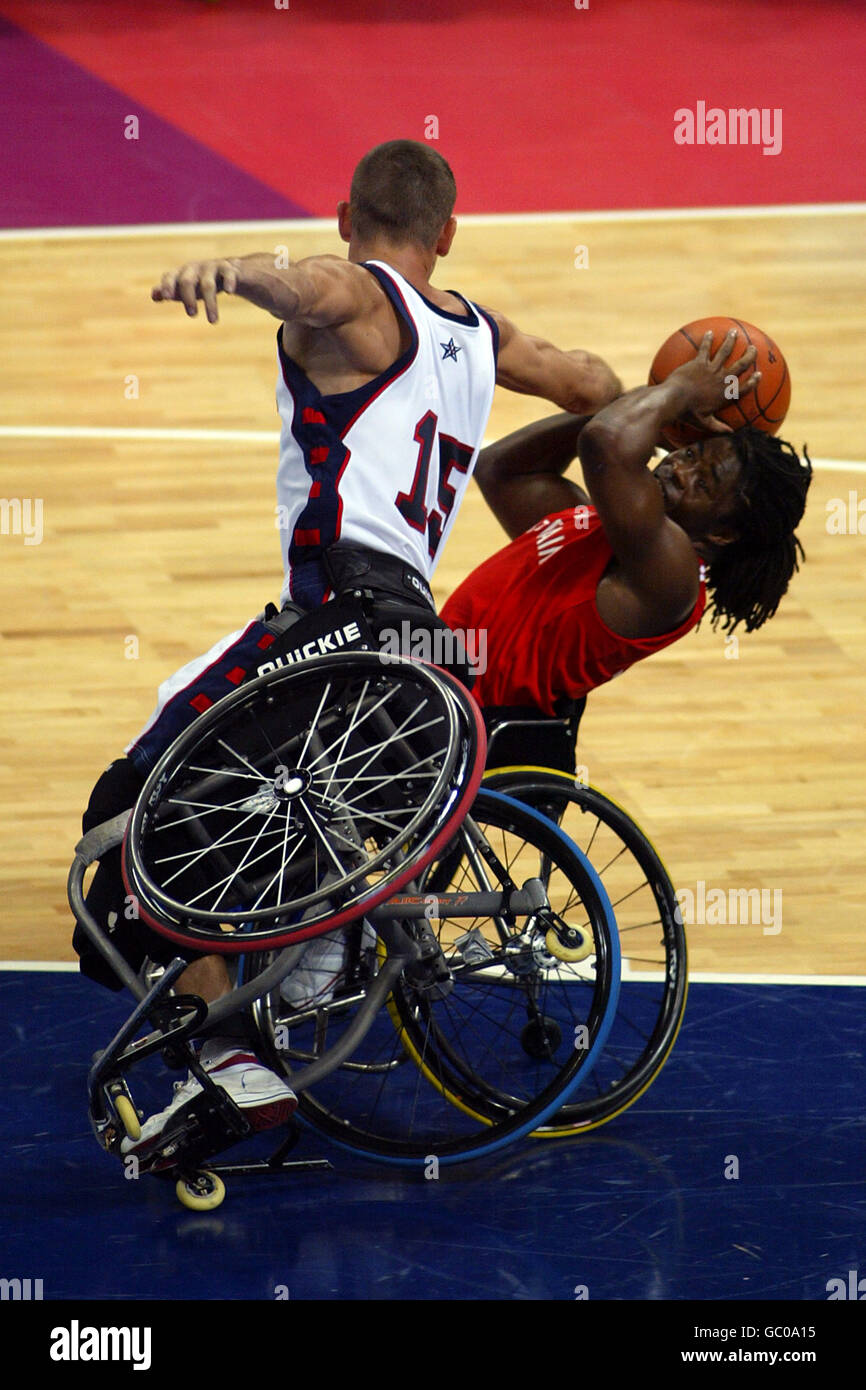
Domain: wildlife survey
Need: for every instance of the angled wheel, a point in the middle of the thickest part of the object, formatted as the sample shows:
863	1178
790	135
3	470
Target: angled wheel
489	1034
301	800
653	994
128	1117
202	1191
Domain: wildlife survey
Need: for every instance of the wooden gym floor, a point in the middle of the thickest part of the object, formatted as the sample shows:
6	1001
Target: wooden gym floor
744	762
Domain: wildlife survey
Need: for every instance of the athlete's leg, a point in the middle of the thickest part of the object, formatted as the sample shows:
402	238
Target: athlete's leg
106	898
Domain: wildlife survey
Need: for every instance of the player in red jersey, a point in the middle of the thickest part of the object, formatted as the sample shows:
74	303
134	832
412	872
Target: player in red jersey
592	584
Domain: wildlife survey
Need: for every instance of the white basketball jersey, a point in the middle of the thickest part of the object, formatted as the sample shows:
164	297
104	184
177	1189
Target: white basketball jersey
386	465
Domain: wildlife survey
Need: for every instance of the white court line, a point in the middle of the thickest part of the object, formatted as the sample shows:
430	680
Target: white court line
710	977
698	978
100	432
473	219
269	437
41	967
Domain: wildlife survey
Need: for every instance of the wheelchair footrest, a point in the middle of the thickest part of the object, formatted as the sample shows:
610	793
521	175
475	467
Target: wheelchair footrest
205	1125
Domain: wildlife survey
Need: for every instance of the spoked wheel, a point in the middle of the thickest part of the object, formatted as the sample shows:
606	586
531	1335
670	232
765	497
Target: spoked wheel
303	798
653	994
486	1036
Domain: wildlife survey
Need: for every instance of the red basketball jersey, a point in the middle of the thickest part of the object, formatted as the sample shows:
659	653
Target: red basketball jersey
536	601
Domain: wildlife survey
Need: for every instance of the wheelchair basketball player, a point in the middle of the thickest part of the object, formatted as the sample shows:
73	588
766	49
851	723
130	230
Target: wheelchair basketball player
384	389
590	584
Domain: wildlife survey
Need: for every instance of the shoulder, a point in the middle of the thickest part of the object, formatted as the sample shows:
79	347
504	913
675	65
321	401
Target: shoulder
640	611
336	270
504	328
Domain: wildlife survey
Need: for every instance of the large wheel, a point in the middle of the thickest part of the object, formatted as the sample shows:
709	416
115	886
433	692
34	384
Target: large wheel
301	800
653	995
493	1034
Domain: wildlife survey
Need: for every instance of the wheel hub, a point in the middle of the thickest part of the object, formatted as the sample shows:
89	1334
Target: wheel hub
287	786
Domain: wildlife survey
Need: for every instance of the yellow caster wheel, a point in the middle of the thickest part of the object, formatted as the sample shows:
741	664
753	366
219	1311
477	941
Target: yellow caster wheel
202	1192
577	945
128	1117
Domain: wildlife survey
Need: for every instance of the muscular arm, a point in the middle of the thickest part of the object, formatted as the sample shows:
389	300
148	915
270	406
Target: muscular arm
520	476
654	554
321	291
576	381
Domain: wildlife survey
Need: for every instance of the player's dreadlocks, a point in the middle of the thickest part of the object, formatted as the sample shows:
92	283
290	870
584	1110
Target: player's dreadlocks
750	575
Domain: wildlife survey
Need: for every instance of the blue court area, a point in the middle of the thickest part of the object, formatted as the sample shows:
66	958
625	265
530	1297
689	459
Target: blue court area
738	1176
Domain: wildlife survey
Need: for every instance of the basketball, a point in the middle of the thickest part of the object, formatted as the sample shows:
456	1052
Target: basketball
764	408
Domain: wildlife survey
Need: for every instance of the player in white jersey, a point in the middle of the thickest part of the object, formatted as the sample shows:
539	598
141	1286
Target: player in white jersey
385	387
365	339
386	465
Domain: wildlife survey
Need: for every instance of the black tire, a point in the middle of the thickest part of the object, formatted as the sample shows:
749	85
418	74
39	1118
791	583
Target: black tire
651	932
301	799
471	1085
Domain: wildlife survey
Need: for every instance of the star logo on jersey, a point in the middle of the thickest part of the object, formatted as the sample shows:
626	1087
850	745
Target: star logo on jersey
450	349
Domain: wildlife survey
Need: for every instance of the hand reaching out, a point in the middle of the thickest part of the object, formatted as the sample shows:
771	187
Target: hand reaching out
198	280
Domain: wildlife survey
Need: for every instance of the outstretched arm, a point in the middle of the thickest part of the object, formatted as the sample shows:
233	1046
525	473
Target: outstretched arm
520	476
615	447
321	291
576	381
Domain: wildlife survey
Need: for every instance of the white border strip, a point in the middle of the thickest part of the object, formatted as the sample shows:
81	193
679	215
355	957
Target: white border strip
475	219
698	978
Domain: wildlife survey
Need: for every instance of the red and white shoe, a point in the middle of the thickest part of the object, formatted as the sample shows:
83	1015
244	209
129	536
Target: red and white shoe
265	1098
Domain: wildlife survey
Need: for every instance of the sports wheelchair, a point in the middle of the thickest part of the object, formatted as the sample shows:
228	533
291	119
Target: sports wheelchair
654	953
342	796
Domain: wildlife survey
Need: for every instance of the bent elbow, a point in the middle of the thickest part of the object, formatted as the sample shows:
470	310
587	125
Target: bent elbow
595	445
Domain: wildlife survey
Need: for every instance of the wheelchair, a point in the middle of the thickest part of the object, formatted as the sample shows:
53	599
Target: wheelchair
342	795
654	985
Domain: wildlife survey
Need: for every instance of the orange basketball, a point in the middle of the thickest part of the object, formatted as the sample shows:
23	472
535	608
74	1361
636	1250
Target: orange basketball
764	408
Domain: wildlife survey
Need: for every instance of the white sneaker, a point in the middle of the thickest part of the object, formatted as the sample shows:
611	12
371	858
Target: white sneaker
265	1098
320	968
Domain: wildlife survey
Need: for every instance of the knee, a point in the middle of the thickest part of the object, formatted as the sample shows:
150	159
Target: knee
117	790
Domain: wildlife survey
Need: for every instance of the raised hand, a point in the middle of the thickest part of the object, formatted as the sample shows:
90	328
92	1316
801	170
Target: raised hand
706	379
199	280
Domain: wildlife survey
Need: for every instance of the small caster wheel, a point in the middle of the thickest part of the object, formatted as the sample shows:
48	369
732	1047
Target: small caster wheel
541	1038
570	945
201	1192
128	1117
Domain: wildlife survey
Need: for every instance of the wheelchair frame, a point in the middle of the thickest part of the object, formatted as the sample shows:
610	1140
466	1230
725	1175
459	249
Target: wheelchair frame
176	1020
180	1019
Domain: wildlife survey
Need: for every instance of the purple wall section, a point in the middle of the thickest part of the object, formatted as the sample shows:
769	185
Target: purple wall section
65	161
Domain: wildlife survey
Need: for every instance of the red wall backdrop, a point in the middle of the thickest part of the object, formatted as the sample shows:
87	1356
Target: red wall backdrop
540	106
